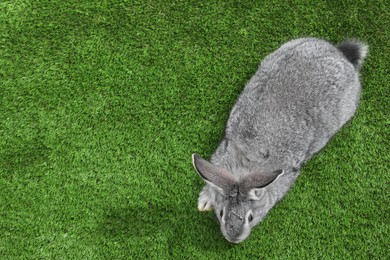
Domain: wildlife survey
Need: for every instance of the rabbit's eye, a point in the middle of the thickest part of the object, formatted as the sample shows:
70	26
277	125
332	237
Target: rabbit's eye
250	218
221	213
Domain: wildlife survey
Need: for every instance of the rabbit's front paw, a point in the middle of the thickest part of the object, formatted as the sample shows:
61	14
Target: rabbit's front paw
205	203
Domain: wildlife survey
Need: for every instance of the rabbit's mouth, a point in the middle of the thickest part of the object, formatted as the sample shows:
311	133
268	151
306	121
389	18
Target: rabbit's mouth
236	239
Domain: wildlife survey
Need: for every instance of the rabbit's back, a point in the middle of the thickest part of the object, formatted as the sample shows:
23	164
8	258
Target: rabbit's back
299	97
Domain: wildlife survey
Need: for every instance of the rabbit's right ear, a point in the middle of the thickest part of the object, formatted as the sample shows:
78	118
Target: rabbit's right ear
252	185
217	176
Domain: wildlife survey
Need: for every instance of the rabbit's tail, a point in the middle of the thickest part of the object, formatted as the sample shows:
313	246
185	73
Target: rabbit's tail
355	51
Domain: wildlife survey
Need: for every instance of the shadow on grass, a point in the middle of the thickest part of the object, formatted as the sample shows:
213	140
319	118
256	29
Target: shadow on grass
181	229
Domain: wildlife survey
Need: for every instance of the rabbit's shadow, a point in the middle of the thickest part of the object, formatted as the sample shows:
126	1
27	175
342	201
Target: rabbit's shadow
176	224
128	222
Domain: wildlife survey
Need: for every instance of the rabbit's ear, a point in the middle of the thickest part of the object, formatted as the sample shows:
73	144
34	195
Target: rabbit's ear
255	194
251	184
215	175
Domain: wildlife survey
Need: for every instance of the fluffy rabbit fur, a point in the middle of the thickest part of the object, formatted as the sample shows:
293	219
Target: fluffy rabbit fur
300	96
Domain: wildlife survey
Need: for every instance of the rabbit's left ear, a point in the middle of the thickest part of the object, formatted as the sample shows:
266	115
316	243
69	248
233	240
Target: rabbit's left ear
217	176
252	185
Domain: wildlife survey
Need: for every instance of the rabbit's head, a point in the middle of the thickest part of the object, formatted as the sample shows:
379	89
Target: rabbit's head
237	201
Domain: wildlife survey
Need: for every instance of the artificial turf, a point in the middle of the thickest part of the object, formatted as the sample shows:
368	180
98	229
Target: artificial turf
102	104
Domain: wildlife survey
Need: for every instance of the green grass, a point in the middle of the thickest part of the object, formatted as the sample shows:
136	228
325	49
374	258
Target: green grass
103	102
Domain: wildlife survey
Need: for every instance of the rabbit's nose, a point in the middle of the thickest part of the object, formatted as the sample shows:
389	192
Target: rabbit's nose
233	231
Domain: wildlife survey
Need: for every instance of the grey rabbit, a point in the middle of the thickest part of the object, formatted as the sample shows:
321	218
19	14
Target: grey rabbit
299	97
